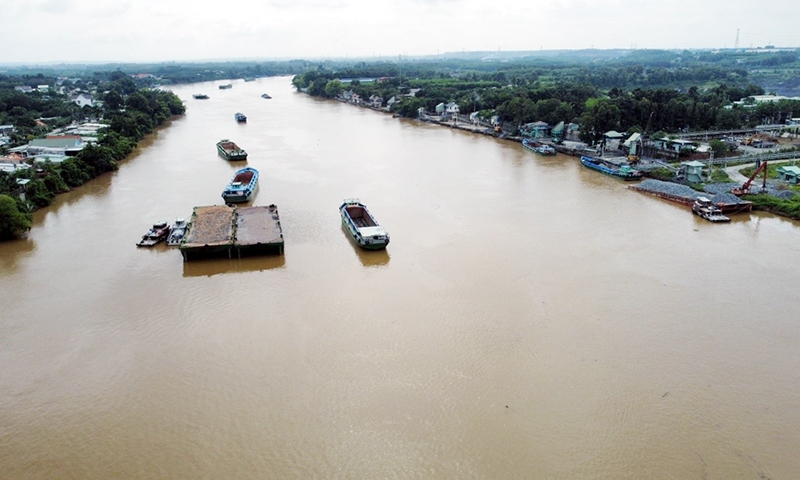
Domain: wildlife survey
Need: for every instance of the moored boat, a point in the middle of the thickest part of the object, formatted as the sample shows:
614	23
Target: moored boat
230	151
624	172
157	234
177	232
242	186
240	117
264	95
361	225
200	96
705	208
538	147
225	86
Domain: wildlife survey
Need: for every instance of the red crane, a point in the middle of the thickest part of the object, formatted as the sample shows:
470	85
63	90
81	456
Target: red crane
745	188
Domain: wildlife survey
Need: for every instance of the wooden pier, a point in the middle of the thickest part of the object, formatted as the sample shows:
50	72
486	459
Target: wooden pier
223	231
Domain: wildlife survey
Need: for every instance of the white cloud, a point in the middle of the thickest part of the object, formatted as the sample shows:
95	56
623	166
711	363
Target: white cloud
160	30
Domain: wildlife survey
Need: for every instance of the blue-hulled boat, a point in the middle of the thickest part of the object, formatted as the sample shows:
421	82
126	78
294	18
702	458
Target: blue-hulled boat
242	186
538	147
624	172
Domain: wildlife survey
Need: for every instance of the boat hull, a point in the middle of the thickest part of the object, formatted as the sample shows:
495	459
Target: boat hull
538	147
177	232
242	187
230	151
362	228
237	198
155	235
626	174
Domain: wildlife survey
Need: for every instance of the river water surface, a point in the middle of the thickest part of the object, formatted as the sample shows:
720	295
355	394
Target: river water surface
530	319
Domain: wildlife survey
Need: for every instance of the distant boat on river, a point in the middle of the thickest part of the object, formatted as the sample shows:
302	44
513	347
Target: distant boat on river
200	96
264	95
240	117
230	151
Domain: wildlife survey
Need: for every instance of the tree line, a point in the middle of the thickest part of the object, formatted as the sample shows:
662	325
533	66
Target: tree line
130	111
595	109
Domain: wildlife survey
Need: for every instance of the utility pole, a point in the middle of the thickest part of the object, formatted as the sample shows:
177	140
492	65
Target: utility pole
736	44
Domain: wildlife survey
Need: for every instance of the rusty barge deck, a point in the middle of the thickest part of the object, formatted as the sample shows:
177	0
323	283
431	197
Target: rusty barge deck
223	231
258	231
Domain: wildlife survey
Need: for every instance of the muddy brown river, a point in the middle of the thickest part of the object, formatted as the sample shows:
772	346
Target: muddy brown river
530	318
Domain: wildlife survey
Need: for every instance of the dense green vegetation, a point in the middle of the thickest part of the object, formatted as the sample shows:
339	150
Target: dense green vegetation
132	112
785	207
641	90
12	220
595	110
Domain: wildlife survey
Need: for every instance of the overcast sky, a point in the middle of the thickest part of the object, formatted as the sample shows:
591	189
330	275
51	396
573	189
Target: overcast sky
34	31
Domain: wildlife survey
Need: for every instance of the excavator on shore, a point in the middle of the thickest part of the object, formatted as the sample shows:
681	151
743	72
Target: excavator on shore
745	188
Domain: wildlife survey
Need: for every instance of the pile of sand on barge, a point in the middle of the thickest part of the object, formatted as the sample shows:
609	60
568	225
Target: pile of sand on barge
686	195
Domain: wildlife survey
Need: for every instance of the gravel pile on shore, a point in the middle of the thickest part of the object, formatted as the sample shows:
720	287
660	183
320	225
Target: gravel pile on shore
726	198
783	194
716	188
669	188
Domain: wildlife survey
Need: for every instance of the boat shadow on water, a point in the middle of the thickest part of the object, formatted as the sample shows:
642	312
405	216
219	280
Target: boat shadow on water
368	258
217	266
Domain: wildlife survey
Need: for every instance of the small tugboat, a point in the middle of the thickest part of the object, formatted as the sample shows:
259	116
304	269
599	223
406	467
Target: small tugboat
624	172
200	96
242	186
239	116
705	208
177	232
264	95
157	234
361	225
225	86
538	147
230	151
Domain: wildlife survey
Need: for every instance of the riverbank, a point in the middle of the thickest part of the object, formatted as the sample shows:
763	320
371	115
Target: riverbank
141	114
781	206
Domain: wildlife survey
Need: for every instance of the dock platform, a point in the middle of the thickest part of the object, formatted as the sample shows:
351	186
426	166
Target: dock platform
258	231
223	231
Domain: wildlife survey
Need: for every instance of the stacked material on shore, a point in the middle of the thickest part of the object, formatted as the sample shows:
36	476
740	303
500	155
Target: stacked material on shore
686	195
668	190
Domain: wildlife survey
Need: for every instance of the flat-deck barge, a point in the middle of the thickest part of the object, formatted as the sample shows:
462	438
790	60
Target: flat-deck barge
686	195
223	231
258	231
